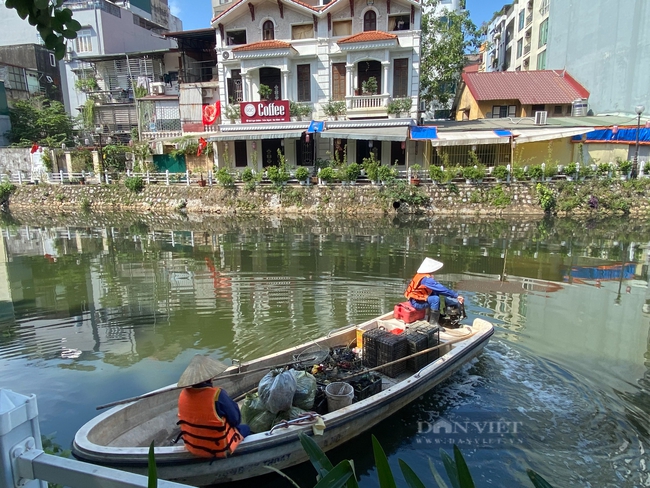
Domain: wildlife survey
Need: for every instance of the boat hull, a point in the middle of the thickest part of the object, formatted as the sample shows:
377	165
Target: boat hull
282	449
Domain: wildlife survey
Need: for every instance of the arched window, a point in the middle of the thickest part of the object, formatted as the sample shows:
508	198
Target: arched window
268	33
370	21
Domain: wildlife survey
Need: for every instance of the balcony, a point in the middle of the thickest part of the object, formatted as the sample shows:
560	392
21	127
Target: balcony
529	20
526	49
367	105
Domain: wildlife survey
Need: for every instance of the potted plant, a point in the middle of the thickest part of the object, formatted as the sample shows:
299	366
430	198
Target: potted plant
500	173
224	178
333	109
327	174
398	106
625	167
279	174
302	175
264	92
549	171
294	110
437	174
353	171
570	171
536	172
201	181
604	170
415	174
232	111
386	174
518	174
369	87
371	167
474	174
305	111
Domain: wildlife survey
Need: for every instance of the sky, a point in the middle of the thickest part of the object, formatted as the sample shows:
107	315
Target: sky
196	14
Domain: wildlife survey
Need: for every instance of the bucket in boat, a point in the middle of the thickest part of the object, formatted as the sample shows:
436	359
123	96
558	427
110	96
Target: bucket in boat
338	395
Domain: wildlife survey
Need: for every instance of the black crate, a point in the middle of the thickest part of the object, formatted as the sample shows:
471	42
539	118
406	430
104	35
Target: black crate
391	347
417	342
366	385
370	338
433	334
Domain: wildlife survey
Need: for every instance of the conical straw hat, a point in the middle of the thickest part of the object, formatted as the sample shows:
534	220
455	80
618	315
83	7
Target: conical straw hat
200	369
429	266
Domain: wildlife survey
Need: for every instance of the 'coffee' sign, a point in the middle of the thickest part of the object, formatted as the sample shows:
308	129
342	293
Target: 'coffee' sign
256	112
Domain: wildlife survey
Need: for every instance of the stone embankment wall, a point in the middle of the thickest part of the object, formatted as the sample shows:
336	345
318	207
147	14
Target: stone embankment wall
451	199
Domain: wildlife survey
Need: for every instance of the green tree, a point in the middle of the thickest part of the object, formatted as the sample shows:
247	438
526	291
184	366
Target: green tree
446	39
39	120
54	24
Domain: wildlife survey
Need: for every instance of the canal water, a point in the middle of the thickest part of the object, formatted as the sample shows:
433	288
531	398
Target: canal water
99	308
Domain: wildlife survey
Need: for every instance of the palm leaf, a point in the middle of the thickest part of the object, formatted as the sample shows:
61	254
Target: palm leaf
384	473
337	477
410	477
450	468
153	473
464	476
436	475
537	480
316	455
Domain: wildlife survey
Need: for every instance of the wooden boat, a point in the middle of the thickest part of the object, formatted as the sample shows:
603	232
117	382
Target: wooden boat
121	436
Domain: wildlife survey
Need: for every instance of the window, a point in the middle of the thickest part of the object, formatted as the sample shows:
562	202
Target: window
268	31
342	28
338	81
543	33
400	78
234	85
503	111
520	48
538	108
305	31
83	42
304	83
15	79
557	110
522	19
52	60
370	21
541	60
399	22
234	38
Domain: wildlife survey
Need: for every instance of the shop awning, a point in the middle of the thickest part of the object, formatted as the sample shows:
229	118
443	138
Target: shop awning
256	135
547	134
469	138
368	134
419	133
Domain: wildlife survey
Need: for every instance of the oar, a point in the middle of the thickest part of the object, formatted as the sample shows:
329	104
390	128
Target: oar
174	387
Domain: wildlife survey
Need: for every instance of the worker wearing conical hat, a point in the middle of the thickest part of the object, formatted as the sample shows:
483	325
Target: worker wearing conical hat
210	420
424	291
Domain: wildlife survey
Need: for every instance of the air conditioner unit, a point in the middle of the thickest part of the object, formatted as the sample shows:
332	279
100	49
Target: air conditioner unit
157	88
207	92
540	118
226	55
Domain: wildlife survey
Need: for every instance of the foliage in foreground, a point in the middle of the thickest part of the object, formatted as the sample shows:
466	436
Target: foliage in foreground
41	121
343	473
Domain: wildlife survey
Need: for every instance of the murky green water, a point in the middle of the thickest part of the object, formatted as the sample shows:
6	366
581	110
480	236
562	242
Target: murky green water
95	309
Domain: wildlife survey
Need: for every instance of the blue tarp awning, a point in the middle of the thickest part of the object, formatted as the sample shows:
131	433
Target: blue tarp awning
623	135
315	126
419	133
503	133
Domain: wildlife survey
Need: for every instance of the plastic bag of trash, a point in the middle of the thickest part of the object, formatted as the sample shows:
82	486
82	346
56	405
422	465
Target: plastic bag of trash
305	390
276	390
254	413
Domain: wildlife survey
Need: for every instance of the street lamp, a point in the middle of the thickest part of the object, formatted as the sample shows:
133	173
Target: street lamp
639	110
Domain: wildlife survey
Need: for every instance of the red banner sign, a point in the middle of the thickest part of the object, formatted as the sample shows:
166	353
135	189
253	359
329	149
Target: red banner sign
256	112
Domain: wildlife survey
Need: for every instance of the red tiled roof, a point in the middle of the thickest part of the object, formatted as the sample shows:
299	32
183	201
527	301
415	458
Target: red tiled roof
529	87
263	45
471	68
297	2
369	36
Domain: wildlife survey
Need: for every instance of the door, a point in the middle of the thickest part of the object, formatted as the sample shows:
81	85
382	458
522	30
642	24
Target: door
338	81
241	157
364	148
271	77
368	69
270	152
397	153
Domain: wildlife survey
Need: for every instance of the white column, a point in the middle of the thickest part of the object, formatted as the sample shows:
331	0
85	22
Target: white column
384	80
349	81
286	93
245	84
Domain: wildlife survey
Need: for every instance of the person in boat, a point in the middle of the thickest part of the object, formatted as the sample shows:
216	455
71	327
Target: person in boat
424	291
210	420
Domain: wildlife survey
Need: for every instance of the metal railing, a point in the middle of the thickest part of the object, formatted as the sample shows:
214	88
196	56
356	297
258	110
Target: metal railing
367	101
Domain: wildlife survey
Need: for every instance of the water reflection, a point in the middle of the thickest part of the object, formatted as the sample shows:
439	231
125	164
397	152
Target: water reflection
101	307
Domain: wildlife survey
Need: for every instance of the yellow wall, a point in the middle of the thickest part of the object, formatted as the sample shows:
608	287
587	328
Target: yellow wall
603	153
530	153
467	102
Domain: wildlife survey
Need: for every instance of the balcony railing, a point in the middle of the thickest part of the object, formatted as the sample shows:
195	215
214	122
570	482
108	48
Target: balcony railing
526	49
529	20
367	102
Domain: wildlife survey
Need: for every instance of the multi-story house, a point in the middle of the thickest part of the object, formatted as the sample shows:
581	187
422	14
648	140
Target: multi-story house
318	55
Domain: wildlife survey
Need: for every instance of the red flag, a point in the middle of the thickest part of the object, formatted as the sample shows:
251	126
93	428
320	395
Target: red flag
202	145
35	147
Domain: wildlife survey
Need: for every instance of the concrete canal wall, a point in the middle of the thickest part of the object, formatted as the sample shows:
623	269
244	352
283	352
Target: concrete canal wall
450	199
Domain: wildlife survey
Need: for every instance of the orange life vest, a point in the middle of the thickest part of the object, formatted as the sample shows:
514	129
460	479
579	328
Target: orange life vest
204	433
416	290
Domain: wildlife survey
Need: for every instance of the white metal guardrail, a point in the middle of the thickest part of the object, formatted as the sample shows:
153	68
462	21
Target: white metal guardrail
24	464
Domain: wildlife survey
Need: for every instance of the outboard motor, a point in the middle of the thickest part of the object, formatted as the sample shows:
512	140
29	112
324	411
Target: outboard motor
453	315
